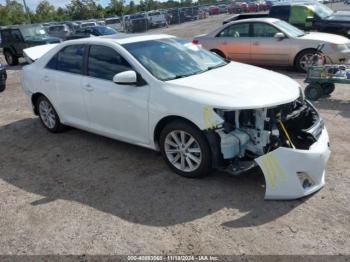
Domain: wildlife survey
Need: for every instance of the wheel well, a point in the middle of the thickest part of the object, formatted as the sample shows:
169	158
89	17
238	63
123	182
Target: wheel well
7	49
34	99
163	122
307	49
217	51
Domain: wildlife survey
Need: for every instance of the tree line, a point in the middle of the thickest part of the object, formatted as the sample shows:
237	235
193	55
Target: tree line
14	12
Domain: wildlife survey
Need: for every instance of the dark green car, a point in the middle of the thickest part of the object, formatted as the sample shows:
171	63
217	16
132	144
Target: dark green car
16	38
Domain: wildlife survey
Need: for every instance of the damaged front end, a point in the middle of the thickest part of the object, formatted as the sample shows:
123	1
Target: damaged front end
288	142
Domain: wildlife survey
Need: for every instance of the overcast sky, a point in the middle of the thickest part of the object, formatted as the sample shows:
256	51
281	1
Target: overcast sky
33	3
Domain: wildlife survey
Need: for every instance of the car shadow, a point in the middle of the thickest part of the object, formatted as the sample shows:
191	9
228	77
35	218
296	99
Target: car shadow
333	104
127	181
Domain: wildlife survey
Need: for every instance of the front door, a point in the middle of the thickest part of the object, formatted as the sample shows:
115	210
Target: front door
118	111
266	49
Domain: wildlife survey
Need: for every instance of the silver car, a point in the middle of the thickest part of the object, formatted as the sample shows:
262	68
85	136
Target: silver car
270	41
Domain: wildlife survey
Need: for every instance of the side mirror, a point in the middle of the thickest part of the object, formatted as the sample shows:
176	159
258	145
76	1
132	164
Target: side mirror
309	19
280	36
125	78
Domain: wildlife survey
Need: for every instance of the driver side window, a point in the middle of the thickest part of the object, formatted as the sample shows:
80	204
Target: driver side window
104	63
236	31
264	30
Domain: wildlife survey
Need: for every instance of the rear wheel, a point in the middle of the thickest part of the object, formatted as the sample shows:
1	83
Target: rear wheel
48	115
10	58
185	149
313	91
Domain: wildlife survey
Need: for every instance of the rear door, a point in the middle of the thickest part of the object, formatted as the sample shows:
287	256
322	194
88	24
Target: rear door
64	71
265	48
235	42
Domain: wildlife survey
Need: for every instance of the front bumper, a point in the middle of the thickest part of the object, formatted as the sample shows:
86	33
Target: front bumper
339	57
292	173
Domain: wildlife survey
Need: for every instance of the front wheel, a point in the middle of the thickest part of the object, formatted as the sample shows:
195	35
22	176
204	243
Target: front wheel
185	149
48	115
305	59
11	59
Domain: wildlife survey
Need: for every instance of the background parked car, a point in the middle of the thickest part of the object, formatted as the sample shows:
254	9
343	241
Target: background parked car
156	19
214	10
17	38
3	77
253	7
114	22
223	9
88	24
61	31
306	16
270	41
93	30
135	23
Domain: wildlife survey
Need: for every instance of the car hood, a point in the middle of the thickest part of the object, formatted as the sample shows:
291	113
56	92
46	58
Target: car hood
32	54
341	16
324	37
237	86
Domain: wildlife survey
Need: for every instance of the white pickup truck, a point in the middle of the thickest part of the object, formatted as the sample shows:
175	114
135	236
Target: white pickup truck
156	19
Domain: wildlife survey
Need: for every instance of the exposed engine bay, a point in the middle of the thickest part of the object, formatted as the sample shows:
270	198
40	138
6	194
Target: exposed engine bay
252	133
262	136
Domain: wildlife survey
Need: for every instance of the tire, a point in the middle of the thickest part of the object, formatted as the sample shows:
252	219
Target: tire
219	53
303	60
10	58
313	91
48	115
2	88
328	88
191	161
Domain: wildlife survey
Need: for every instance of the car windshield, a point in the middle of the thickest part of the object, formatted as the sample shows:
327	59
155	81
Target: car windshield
33	32
105	30
289	29
173	58
323	11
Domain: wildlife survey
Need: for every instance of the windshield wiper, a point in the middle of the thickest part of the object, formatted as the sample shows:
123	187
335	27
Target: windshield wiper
216	66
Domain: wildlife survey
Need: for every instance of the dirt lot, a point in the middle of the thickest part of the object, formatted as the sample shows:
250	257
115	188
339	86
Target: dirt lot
78	193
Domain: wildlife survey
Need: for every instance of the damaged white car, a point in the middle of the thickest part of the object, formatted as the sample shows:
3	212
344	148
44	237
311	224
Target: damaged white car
200	111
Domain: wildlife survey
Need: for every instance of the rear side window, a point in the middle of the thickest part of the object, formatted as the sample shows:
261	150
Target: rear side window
281	12
69	59
104	63
236	30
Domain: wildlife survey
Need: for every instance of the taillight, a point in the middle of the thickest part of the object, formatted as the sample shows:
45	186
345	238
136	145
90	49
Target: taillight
195	41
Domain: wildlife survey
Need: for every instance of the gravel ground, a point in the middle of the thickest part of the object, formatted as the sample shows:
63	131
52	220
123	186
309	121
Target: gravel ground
79	193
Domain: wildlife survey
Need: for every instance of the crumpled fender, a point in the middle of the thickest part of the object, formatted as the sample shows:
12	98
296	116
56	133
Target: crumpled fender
286	169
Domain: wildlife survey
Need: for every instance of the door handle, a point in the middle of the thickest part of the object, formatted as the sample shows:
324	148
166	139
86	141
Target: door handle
88	88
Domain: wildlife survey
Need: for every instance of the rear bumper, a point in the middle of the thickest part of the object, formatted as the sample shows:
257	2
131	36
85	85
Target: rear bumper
292	173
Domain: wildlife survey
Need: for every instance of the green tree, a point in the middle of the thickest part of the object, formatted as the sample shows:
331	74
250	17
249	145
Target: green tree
45	12
13	13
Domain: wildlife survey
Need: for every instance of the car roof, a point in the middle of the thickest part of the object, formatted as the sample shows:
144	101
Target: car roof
261	19
123	38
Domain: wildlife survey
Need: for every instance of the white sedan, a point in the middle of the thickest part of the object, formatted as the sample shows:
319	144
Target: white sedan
200	111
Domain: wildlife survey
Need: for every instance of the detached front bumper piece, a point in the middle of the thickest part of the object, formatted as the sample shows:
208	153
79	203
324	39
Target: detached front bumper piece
293	173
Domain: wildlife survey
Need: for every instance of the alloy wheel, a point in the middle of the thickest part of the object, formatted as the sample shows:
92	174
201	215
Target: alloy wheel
47	114
183	151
